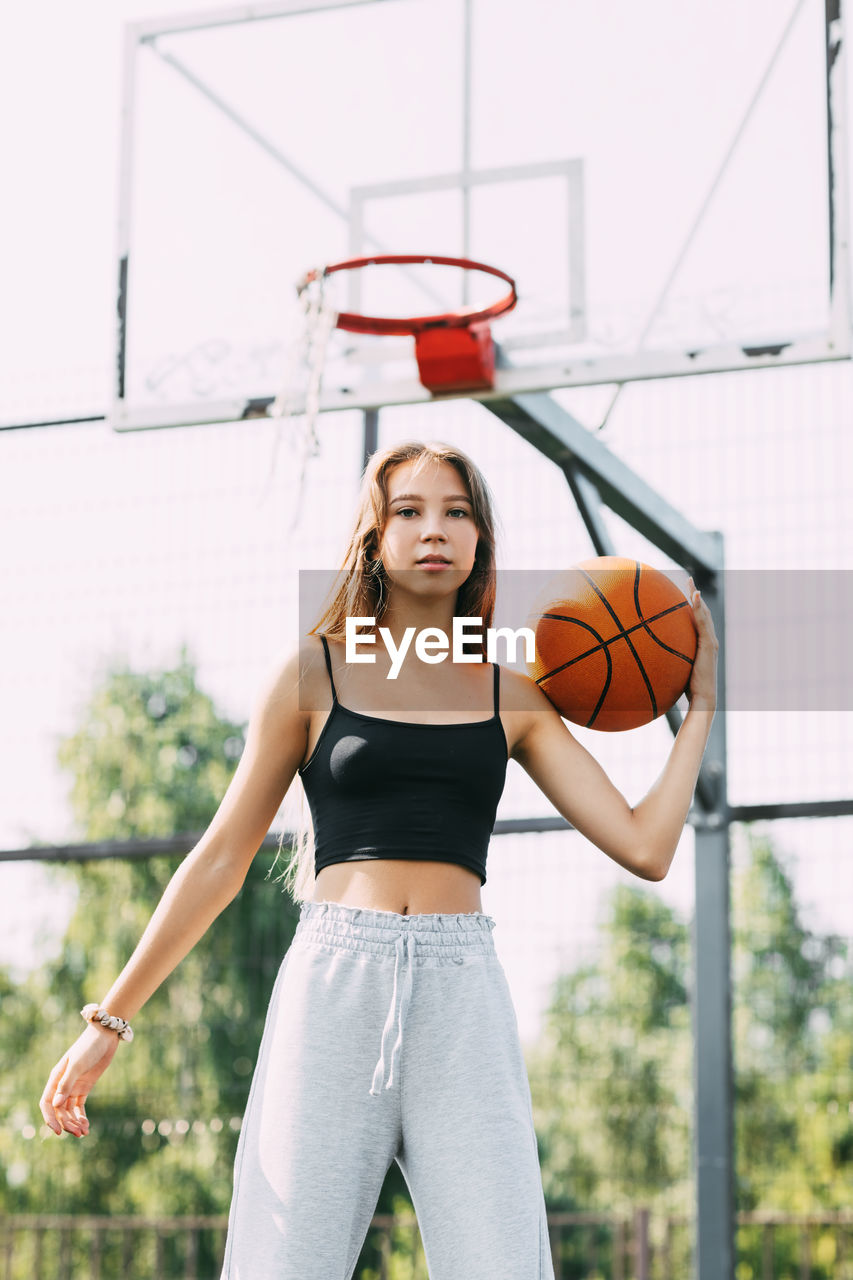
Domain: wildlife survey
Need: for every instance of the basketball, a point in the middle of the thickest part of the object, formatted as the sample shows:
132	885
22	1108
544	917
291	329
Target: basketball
615	643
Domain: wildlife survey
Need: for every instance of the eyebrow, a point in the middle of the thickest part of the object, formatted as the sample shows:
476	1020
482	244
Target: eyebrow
416	497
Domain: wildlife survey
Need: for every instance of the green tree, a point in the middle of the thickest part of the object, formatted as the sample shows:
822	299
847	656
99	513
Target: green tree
793	1034
792	1031
612	1079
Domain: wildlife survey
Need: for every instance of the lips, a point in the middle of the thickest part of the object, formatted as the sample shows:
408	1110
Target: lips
434	560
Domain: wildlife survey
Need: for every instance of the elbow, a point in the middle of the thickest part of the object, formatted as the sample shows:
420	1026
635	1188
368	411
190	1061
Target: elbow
652	866
218	868
648	858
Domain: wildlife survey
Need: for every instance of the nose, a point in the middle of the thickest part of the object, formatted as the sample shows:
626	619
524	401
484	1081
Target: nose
434	528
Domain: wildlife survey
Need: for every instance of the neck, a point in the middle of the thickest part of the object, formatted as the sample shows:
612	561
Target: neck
419	614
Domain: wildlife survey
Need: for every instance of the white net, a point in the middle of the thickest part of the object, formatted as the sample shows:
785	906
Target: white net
298	400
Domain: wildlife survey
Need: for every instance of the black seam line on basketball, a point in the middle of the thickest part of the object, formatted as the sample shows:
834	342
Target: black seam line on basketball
676	653
577	622
682	604
634	651
560	617
607	658
618	621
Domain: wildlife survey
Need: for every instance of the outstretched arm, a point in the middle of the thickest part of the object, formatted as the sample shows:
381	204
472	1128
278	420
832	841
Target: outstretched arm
202	887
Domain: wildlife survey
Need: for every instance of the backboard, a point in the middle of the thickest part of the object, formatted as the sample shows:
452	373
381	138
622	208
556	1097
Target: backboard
667	184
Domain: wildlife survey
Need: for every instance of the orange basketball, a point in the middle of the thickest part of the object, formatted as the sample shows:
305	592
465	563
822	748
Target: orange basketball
615	643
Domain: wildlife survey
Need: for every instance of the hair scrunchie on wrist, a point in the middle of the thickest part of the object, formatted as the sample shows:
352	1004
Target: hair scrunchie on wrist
95	1013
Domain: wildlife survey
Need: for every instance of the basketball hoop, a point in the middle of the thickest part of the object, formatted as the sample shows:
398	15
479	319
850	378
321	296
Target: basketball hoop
454	349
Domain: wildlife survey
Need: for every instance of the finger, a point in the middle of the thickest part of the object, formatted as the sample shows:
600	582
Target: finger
66	1085
46	1101
69	1122
62	1102
63	1117
68	1119
47	1112
63	1099
50	1118
80	1112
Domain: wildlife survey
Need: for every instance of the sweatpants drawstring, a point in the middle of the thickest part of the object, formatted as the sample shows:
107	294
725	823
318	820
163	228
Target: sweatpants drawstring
404	939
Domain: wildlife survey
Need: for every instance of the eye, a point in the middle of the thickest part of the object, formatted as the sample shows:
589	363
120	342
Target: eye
401	511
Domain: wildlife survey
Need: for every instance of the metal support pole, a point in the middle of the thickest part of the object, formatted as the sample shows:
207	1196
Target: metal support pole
712	1001
370	436
713	1137
642	1250
125	203
588	500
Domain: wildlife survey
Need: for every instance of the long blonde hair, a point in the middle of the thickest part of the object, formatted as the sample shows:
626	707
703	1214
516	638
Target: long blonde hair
362	592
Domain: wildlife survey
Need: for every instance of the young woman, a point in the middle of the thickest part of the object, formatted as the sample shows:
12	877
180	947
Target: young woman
391	1032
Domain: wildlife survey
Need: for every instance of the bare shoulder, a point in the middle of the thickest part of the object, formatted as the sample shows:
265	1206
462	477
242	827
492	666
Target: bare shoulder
525	705
276	743
295	674
519	692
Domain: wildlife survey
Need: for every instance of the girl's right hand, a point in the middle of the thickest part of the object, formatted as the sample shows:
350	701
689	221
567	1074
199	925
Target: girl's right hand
63	1103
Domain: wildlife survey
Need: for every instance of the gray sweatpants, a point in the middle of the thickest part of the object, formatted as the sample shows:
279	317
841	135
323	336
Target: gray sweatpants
388	1037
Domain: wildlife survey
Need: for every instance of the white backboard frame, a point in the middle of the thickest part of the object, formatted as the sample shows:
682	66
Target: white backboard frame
775	349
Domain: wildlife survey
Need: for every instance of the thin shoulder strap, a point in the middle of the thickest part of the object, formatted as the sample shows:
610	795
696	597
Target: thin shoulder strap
329	666
497	687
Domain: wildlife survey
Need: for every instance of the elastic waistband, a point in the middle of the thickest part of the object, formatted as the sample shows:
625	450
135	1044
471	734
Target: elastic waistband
376	932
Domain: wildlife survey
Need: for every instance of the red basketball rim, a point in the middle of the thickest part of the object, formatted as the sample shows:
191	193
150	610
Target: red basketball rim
353	322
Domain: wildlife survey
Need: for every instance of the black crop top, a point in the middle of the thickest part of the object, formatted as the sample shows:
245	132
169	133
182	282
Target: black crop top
381	788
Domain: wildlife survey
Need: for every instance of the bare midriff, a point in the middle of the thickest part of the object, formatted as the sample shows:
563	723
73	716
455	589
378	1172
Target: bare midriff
407	886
